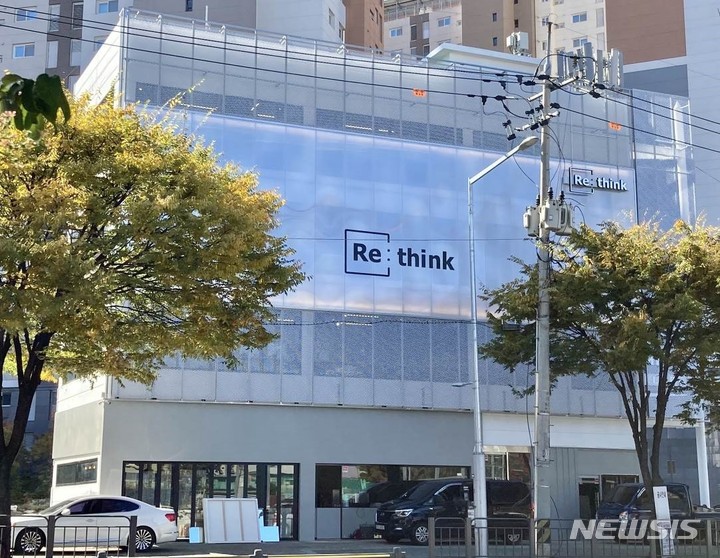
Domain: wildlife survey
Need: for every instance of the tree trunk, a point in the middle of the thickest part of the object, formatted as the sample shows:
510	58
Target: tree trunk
5	541
28	382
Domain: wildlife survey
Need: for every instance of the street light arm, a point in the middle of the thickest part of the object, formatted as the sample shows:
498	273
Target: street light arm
478	458
523	145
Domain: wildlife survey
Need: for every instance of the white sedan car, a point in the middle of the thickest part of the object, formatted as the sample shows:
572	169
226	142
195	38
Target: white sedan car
95	521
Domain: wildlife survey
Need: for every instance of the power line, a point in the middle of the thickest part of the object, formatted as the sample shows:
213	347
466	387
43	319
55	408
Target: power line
689	144
660	115
483	98
497	77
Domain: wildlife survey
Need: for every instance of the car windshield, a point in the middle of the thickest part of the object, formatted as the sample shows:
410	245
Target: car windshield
622	495
421	491
56	508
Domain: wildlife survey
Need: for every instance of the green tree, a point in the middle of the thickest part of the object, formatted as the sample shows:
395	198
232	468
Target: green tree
33	101
619	299
33	470
122	242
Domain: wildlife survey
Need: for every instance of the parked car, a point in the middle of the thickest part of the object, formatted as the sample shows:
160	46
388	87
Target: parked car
628	502
508	509
93	521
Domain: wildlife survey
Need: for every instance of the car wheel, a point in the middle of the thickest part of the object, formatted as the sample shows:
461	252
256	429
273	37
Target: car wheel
420	534
392	538
144	539
29	541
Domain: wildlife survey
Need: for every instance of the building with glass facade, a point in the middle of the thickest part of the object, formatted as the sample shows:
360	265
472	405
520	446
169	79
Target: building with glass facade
366	388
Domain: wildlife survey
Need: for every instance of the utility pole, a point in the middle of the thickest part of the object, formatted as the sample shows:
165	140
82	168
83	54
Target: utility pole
553	215
541	465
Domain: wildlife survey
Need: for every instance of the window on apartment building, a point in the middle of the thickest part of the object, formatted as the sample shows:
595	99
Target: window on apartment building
107	6
396	32
426	49
413	51
77	15
543	46
601	40
495	41
444	21
24	50
515	2
341	32
6	399
98	41
28	13
578	18
413	32
580	41
426	30
52	54
75	52
54	17
600	17
331	18
516	23
188	5
70	82
545	21
494	16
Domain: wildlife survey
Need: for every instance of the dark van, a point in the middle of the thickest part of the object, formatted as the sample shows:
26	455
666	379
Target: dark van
631	501
508	509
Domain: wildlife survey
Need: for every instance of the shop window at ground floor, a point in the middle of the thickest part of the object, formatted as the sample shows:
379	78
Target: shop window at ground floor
183	486
347	495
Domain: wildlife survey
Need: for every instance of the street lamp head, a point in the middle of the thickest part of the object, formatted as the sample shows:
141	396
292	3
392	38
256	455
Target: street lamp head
522	146
527	142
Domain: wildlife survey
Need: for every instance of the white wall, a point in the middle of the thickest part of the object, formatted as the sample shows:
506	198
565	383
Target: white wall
307	19
701	20
15	32
122	430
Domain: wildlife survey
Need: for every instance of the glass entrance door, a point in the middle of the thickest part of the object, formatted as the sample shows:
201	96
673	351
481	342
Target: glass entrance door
280	502
288	502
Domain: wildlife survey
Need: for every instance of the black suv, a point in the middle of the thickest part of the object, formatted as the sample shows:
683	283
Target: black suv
508	509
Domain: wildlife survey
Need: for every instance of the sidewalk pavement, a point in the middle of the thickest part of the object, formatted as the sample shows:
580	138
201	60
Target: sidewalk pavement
371	548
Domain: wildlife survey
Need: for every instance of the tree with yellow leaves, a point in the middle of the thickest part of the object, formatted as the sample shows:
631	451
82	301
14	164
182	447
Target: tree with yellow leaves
122	242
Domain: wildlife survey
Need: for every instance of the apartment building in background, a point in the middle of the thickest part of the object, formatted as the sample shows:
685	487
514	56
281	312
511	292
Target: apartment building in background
419	26
42	411
61	36
365	20
670	46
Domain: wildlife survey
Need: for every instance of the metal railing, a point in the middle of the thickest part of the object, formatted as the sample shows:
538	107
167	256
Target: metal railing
36	535
574	538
